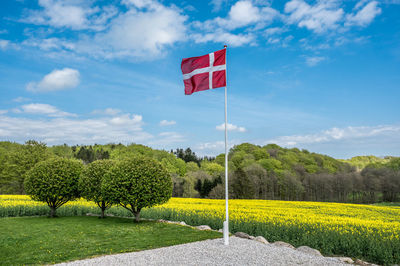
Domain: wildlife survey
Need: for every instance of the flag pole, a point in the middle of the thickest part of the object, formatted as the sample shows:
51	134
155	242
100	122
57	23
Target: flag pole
226	222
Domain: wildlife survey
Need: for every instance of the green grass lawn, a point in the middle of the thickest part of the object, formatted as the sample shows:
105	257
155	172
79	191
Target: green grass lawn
42	240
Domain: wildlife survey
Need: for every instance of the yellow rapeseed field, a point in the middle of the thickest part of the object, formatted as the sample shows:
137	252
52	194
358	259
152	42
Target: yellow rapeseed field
339	217
364	231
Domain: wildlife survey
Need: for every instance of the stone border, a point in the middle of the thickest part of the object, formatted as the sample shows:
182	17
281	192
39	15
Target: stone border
261	239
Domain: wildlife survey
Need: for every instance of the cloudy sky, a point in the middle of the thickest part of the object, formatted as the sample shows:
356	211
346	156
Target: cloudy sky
320	75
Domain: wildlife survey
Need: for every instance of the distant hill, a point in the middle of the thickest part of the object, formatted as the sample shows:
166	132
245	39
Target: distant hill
278	159
255	172
361	162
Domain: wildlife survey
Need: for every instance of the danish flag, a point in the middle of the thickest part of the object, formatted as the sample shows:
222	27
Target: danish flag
204	72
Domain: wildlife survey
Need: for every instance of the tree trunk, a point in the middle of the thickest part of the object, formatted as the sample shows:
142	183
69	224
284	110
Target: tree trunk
137	216
103	208
53	211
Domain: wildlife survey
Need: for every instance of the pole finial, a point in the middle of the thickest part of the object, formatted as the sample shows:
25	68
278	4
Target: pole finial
225	46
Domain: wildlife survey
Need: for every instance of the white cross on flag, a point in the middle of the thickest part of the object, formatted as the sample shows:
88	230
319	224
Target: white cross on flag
204	72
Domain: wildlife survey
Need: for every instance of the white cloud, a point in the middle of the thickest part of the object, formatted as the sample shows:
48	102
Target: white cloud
322	16
76	15
74	131
231	128
217	4
2	112
145	29
284	42
307	45
314	60
241	14
42	109
273	40
233	40
167	123
4	44
166	138
58	79
124	128
214	148
107	111
365	15
140	3
337	134
274	31
126	119
217	145
144	33
50	44
21	99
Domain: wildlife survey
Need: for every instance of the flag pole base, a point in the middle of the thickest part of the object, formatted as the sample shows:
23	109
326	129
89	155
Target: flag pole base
226	233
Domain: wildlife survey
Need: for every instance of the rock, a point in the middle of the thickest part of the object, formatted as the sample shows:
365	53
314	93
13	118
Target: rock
221	230
363	263
110	215
345	259
251	237
203	227
282	244
162	221
360	262
308	250
261	239
242	235
91	214
182	223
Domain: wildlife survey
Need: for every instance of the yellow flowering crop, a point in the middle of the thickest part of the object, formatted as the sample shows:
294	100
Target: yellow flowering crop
362	231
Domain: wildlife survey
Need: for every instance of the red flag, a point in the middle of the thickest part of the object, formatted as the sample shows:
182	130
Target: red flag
204	72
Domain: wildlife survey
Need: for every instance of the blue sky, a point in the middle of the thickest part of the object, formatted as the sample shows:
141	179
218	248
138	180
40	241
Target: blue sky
319	75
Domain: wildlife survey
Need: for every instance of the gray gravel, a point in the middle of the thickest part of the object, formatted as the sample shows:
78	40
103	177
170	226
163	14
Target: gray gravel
213	252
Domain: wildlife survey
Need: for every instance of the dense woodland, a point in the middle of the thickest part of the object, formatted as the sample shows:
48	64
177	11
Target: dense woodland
256	172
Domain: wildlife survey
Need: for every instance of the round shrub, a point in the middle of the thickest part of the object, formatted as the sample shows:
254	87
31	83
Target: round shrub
91	180
137	183
54	181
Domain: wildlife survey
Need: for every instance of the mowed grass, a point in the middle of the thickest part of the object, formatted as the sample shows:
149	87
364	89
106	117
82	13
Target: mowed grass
42	240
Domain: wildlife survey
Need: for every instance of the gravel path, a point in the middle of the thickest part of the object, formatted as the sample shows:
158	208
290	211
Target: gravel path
213	252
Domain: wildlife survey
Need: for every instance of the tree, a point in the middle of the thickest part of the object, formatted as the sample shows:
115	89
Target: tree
174	165
187	155
20	160
192	167
54	181
91	181
62	151
372	178
242	188
88	154
137	183
212	169
204	182
258	178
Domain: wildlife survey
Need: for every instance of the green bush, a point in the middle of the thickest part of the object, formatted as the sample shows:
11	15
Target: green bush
54	181
90	183
137	183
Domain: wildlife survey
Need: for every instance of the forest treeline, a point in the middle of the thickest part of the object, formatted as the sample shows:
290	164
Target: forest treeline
255	172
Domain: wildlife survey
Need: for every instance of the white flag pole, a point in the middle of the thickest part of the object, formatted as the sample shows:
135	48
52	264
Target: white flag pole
226	222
